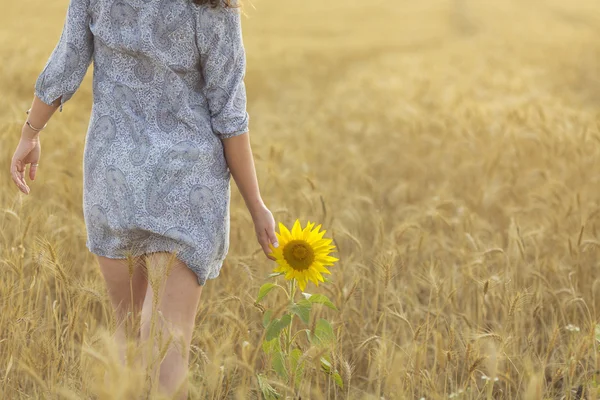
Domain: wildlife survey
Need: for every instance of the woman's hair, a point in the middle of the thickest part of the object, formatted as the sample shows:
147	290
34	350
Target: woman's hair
219	3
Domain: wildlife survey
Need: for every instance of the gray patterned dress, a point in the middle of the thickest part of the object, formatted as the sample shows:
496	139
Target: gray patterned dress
167	87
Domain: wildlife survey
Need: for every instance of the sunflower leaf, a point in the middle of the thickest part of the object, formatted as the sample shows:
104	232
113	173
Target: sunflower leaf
325	365
298	369
267	318
338	380
330	370
279	364
323	334
264	290
275	274
277	325
270	346
302	310
322	299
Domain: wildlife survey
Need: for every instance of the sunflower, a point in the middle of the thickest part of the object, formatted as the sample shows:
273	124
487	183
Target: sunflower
303	254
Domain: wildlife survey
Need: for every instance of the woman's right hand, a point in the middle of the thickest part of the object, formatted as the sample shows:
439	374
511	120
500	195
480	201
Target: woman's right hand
28	151
264	226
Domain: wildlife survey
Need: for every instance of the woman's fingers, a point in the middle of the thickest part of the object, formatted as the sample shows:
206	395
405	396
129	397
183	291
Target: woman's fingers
270	239
17	170
263	239
32	171
271	235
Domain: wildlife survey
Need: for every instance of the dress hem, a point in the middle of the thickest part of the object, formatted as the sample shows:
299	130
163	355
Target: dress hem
119	255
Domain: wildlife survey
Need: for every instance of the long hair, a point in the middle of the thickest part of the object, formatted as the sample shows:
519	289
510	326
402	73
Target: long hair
218	3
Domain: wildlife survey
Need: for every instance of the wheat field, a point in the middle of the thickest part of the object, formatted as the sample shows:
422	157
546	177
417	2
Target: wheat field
450	147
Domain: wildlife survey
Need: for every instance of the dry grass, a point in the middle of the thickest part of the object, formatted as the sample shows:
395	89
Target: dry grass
450	146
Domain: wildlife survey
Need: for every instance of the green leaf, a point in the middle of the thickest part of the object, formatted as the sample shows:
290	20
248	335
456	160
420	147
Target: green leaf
279	364
328	368
264	290
267	318
323	334
325	365
338	380
285	320
302	310
270	346
275	274
277	325
322	299
268	391
298	369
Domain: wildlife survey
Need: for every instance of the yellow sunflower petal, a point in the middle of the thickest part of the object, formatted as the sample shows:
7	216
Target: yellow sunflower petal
285	233
313	275
302	285
318	248
309	227
323	242
320	234
321	268
324	262
296	230
318	266
278	254
290	274
306	231
313	237
279	237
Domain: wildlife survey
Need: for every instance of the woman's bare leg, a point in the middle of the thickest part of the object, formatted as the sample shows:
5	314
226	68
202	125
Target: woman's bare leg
174	293
126	283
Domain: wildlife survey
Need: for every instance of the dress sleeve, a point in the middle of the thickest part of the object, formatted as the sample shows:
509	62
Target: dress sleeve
223	66
68	63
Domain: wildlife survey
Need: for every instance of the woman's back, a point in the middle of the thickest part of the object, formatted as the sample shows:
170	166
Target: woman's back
153	47
168	85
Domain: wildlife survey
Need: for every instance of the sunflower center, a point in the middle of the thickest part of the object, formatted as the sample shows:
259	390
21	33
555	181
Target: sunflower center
299	254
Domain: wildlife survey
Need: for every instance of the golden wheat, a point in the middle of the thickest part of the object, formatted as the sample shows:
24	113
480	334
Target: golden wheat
450	147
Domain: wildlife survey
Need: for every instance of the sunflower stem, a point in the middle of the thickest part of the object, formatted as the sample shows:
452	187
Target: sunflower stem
289	337
292	292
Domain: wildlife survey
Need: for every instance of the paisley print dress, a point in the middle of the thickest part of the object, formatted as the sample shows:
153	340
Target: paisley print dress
167	88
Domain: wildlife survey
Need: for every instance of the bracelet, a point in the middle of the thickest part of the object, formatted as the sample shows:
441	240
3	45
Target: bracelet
31	126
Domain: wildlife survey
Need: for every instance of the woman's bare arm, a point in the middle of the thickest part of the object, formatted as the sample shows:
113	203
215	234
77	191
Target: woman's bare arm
39	115
238	154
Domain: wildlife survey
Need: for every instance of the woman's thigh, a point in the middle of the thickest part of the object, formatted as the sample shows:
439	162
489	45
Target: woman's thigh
173	290
126	282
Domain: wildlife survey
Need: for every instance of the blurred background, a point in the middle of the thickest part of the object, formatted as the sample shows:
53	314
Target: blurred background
450	147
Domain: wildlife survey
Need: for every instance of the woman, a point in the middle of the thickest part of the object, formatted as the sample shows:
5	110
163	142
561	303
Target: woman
167	129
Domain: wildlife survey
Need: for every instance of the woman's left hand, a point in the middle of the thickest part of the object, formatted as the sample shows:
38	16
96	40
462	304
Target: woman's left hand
28	152
264	226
